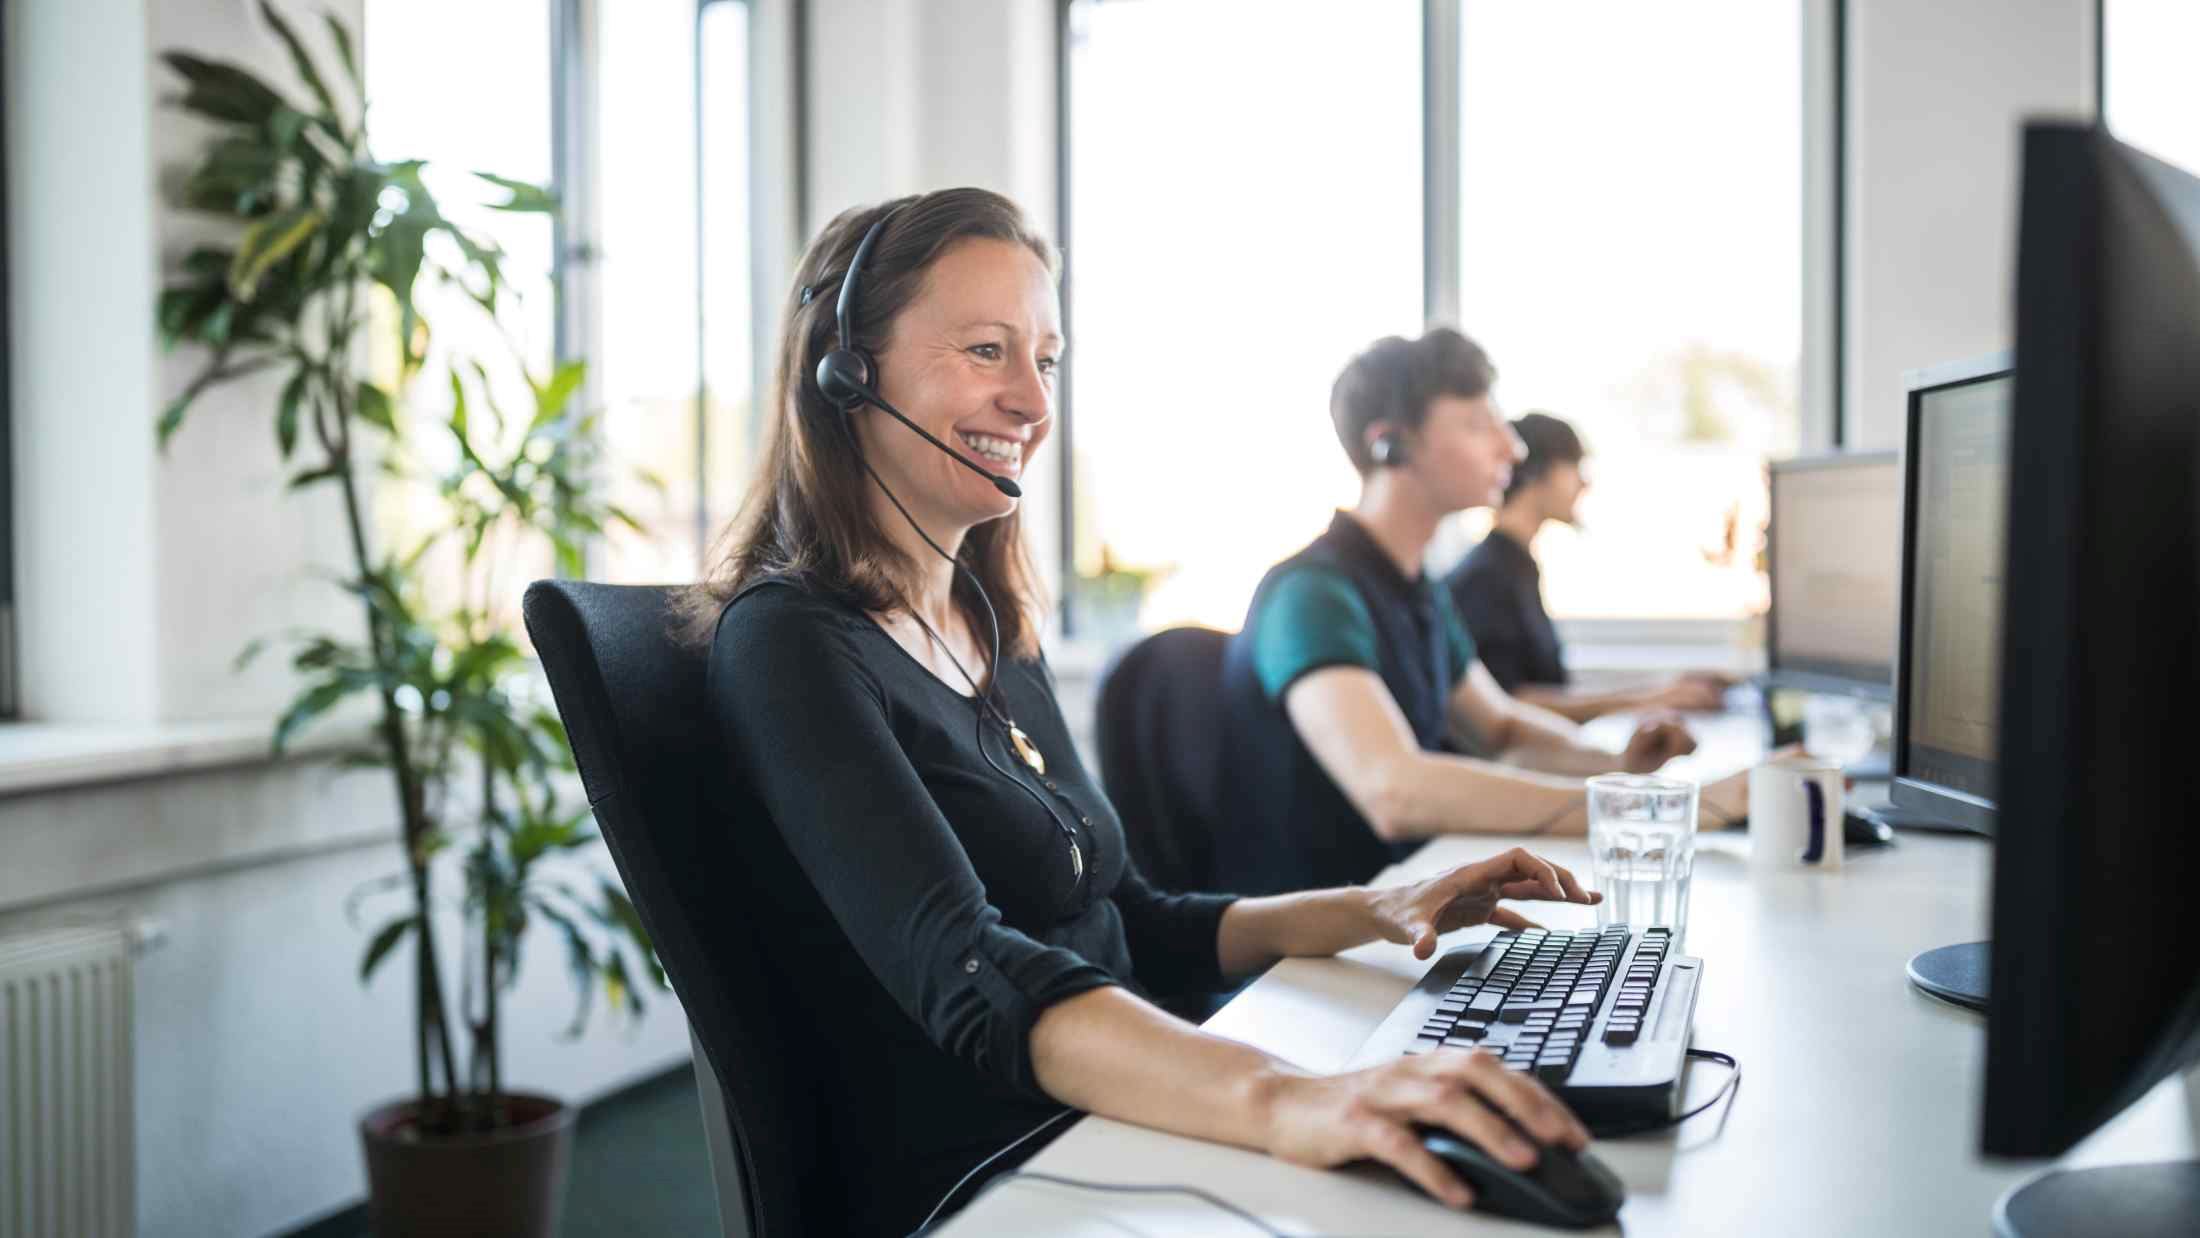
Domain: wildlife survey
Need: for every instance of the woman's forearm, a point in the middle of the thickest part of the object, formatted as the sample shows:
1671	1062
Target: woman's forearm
1108	1052
1256	932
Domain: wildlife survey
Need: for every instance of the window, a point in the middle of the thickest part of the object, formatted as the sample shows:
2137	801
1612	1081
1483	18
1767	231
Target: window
1244	215
467	88
676	354
637	114
2149	95
1630	251
1614	193
7	465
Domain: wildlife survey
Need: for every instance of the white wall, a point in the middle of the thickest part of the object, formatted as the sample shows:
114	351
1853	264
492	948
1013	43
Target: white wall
1936	96
82	383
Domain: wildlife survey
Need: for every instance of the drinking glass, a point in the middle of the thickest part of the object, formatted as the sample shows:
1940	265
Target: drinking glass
1642	850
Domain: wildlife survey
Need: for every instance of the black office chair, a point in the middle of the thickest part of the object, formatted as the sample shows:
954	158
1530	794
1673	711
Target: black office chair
1160	738
633	704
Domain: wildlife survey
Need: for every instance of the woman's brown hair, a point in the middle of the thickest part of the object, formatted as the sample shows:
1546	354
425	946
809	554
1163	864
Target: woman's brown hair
808	514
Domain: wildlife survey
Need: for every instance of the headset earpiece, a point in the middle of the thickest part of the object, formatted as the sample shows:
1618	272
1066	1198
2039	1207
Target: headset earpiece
1388	450
842	375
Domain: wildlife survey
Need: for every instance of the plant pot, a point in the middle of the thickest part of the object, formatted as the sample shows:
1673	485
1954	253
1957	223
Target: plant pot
507	1183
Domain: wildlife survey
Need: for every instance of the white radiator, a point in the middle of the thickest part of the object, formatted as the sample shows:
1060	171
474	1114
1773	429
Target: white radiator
66	1133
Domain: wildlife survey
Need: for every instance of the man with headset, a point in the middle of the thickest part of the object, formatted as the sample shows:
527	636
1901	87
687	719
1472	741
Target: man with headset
1358	719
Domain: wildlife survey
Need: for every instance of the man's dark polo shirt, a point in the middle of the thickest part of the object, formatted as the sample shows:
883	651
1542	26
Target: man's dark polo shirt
1340	602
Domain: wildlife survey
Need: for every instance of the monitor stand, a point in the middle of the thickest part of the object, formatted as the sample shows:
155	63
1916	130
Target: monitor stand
2130	1201
1953	974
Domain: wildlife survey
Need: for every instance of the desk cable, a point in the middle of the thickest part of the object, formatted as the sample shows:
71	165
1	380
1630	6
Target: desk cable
1726	1089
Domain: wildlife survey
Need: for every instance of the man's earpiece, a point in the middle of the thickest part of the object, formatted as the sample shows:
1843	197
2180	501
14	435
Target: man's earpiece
1388	450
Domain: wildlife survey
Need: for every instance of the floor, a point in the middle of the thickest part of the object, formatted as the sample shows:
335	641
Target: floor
639	1167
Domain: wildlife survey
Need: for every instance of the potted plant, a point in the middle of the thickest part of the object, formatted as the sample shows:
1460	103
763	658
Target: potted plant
1109	599
328	238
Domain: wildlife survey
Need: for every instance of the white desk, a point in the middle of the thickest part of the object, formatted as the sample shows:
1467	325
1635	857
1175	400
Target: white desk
1857	1112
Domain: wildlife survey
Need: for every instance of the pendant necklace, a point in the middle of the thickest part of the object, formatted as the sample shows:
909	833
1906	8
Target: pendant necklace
1025	750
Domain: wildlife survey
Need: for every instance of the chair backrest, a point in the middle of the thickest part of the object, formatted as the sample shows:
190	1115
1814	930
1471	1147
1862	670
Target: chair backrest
633	703
1160	738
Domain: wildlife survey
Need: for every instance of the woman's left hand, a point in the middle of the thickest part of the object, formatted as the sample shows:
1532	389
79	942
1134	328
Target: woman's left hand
1417	914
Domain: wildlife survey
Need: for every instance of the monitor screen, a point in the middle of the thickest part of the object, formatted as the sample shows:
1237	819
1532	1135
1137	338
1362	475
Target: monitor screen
1836	554
1958	525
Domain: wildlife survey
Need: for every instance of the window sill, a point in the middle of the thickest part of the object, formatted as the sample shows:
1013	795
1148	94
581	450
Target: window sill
44	756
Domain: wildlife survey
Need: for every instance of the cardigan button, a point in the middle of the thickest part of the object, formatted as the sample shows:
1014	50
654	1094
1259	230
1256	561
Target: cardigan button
970	967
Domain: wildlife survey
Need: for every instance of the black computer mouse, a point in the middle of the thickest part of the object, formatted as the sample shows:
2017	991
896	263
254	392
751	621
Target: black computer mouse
1858	829
1568	1189
1861	829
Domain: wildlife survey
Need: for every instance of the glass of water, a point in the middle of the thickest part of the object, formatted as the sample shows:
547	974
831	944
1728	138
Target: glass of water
1642	847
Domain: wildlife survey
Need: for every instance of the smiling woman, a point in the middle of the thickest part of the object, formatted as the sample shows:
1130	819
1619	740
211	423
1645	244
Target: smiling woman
960	938
972	356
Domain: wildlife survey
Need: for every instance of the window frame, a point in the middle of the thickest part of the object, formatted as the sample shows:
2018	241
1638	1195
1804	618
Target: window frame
1825	26
8	703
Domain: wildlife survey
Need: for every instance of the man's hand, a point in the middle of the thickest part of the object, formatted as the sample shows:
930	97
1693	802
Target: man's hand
1656	740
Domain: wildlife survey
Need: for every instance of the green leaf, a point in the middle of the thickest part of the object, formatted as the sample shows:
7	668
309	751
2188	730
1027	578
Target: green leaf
302	62
618	985
326	472
385	940
525	196
222	91
171	417
553	728
286	411
395	261
266	243
459	418
185	308
550	397
342	39
374	407
311	704
580	959
247	654
624	916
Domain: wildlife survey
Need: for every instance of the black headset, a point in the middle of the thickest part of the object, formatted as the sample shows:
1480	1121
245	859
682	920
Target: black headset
844	373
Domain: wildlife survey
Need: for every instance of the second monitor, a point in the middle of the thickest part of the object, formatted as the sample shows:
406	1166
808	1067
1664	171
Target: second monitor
1833	550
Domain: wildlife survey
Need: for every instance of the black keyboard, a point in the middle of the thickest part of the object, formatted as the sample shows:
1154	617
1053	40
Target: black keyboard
1602	1016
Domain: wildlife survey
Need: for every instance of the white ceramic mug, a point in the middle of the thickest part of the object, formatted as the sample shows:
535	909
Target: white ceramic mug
1795	805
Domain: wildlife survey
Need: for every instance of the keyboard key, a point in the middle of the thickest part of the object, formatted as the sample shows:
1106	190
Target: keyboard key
1518	1012
1618	1034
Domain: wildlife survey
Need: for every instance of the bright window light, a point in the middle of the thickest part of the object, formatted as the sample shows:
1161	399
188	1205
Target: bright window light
1631	256
2153	95
1245	215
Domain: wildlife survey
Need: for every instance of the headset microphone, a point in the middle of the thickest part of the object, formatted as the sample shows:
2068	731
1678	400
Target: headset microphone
844	373
833	377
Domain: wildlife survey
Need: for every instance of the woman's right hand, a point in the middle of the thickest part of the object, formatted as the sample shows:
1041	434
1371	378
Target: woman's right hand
1324	1121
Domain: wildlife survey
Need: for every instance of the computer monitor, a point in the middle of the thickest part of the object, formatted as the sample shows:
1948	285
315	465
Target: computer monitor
2095	983
1832	549
1947	673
